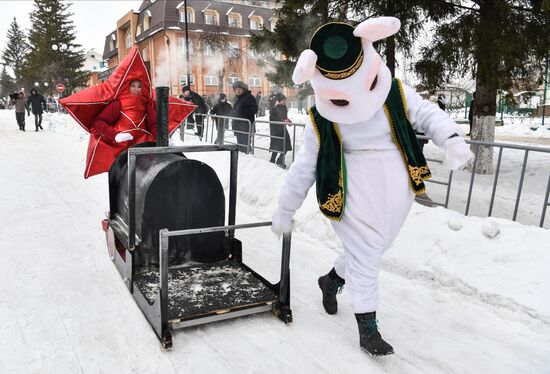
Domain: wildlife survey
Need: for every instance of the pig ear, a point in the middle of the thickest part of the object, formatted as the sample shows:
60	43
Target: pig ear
305	67
377	28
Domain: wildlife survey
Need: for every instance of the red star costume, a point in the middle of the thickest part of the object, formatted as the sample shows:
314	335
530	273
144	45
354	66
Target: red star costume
109	108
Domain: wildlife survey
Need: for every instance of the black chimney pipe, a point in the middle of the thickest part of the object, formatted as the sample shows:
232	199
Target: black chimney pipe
162	116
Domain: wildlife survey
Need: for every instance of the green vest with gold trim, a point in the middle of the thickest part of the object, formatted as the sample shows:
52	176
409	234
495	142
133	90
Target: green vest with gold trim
331	165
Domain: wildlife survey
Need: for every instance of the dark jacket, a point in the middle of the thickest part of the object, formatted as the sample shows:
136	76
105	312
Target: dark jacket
440	103
279	113
37	103
196	99
245	107
221	108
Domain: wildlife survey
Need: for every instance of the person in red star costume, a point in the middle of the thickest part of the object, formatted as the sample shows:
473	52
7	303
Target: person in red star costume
120	113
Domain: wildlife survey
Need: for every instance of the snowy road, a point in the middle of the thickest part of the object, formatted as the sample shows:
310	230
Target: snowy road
64	308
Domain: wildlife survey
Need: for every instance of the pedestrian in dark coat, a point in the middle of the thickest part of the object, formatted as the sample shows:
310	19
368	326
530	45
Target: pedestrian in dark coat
20	107
441	101
245	107
222	108
471	114
37	102
280	138
196	99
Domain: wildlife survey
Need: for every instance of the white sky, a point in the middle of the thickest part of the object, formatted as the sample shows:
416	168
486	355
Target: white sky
94	19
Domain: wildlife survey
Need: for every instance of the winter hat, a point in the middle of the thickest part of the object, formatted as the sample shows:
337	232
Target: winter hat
280	97
339	52
240	84
185	88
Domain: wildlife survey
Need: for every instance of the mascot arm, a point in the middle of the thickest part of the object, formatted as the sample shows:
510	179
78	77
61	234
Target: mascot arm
427	118
103	124
300	178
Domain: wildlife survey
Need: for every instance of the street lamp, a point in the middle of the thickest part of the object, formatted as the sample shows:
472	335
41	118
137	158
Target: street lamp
62	47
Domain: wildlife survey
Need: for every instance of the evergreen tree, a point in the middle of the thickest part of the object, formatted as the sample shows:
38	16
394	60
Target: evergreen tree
13	56
299	19
502	42
54	56
7	84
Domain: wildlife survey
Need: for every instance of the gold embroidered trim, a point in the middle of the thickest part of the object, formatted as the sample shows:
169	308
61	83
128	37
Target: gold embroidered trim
403	98
403	155
311	117
335	203
418	173
344	74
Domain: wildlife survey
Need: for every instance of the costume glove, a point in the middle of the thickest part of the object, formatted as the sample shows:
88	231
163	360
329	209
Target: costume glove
281	223
123	137
457	153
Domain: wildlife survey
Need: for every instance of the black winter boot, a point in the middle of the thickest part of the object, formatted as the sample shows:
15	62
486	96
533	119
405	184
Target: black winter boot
331	284
369	337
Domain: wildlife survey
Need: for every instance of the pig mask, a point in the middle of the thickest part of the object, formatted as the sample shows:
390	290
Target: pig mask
349	78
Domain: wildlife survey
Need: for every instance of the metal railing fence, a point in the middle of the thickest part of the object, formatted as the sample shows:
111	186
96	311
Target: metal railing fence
258	138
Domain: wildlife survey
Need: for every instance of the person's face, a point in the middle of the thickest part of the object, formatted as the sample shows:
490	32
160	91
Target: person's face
20	95
135	88
239	91
187	93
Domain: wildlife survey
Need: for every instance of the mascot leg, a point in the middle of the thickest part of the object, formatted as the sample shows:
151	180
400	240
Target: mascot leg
377	203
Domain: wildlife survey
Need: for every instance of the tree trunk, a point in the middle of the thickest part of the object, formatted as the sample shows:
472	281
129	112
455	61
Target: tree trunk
390	54
484	108
483	127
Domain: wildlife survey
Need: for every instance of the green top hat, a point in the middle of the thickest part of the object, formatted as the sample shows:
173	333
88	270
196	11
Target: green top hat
339	52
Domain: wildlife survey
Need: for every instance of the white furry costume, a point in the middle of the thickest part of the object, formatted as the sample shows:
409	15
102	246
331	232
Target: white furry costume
378	194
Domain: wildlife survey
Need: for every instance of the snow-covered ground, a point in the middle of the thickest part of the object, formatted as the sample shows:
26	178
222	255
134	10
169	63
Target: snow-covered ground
458	294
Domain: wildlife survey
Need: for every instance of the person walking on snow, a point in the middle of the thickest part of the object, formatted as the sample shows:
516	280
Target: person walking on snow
280	138
20	108
361	151
37	103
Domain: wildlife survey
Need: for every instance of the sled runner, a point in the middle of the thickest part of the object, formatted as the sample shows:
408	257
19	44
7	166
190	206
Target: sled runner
168	237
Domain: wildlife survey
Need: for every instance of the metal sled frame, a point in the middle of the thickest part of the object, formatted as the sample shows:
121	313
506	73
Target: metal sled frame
157	312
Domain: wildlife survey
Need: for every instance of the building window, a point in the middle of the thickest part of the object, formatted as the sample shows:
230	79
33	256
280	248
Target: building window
128	39
234	50
208	50
144	55
273	24
254	82
232	79
183	79
146	20
211	17
234	20
211	80
112	42
181	45
190	15
256	22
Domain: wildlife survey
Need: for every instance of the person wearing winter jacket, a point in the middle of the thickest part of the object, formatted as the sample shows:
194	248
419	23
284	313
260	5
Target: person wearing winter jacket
196	99
37	103
222	108
280	138
20	107
245	107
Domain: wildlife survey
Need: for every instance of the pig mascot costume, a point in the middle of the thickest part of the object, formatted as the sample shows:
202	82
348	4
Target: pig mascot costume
361	150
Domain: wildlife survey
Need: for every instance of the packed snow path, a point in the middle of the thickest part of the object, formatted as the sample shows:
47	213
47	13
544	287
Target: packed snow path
64	308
